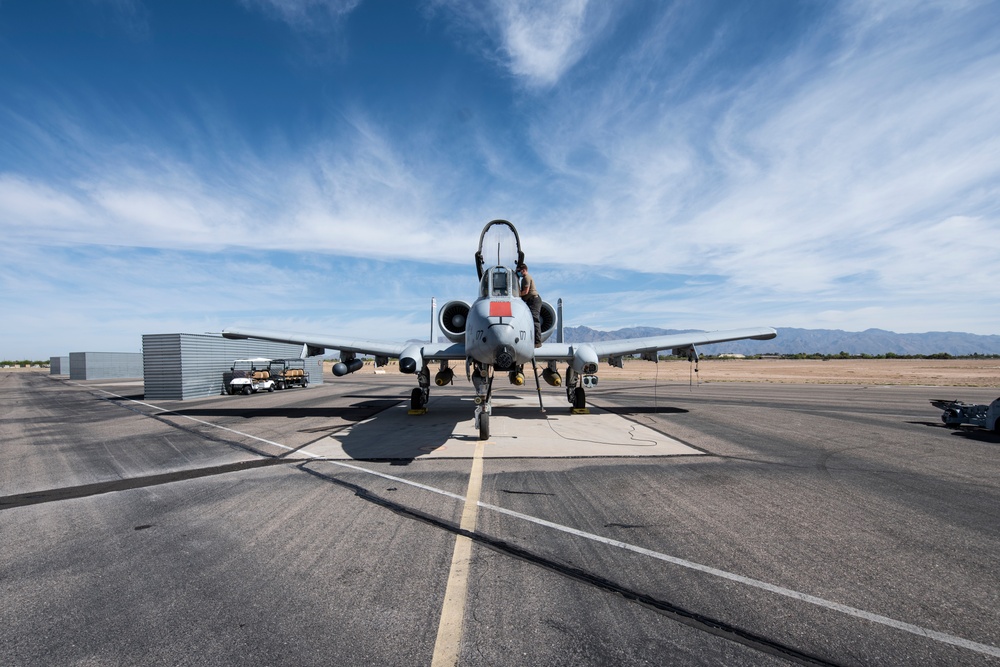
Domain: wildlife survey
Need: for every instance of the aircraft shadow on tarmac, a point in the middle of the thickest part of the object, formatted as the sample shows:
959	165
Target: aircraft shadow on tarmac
645	410
352	413
967	432
518	428
395	436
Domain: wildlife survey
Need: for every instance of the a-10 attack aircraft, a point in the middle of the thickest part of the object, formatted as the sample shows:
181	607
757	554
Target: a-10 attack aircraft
495	334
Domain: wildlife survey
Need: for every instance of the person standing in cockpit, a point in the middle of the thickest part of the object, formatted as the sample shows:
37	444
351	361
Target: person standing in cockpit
529	293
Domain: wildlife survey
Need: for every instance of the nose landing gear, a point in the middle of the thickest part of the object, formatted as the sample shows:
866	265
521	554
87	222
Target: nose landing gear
482	380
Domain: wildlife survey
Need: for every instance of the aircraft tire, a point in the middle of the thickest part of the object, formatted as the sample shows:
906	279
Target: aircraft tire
416	399
579	398
484	426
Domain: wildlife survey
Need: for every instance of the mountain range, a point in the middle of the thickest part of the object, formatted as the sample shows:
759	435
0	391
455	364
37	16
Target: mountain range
819	341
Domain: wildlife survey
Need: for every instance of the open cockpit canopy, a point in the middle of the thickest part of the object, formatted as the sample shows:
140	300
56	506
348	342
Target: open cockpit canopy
499	245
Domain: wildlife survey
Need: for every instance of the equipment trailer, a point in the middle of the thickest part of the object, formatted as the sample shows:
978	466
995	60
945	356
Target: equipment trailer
957	413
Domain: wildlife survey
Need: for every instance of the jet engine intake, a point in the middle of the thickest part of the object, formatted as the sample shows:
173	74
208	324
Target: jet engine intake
549	320
451	318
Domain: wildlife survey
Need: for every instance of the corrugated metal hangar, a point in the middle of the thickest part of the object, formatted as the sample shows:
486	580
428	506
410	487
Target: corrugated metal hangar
104	365
182	366
59	365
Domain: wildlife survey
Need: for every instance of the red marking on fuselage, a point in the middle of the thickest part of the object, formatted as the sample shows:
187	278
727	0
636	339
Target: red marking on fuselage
500	309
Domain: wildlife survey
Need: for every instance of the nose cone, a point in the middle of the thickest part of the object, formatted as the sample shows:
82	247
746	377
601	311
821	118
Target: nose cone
501	334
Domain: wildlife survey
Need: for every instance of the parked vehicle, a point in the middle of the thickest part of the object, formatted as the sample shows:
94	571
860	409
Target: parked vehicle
250	376
956	413
289	373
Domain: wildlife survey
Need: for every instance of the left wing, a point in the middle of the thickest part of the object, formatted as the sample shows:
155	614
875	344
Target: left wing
430	351
613	348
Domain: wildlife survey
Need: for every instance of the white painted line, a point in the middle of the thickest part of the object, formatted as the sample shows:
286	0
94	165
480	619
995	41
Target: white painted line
787	592
292	449
449	635
804	597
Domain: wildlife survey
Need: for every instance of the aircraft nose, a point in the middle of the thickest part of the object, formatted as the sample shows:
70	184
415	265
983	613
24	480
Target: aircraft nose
501	341
501	335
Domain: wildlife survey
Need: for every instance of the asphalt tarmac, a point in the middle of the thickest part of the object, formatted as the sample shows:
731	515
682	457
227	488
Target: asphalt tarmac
807	524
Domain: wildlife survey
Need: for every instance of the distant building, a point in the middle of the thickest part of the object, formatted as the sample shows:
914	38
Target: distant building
182	366
59	365
104	365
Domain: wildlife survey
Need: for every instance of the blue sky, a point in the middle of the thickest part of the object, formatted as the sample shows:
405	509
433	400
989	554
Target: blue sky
327	166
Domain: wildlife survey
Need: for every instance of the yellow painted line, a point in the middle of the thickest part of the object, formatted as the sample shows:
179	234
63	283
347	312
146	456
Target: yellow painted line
449	635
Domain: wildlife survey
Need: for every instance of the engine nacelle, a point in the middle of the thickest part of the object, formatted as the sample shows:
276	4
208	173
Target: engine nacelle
452	317
549	320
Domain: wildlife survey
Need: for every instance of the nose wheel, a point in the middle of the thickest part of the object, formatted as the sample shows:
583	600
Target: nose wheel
484	425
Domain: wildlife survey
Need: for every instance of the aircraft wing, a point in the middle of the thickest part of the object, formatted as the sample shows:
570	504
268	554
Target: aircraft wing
430	351
626	346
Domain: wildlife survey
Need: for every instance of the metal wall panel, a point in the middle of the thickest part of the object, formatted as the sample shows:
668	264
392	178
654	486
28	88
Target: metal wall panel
104	365
59	365
183	366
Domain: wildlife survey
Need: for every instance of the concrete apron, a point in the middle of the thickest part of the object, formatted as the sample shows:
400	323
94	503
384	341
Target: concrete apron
518	429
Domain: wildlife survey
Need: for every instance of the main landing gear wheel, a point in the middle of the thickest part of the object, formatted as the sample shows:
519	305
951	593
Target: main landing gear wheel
416	398
579	399
484	426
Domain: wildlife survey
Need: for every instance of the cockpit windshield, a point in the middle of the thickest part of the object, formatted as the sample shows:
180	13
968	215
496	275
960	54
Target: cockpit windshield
496	282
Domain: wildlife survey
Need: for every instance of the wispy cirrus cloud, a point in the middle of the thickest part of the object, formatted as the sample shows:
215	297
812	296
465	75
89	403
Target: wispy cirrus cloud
700	171
306	15
536	41
802	175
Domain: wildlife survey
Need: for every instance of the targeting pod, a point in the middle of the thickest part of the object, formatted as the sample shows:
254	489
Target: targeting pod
444	376
342	368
